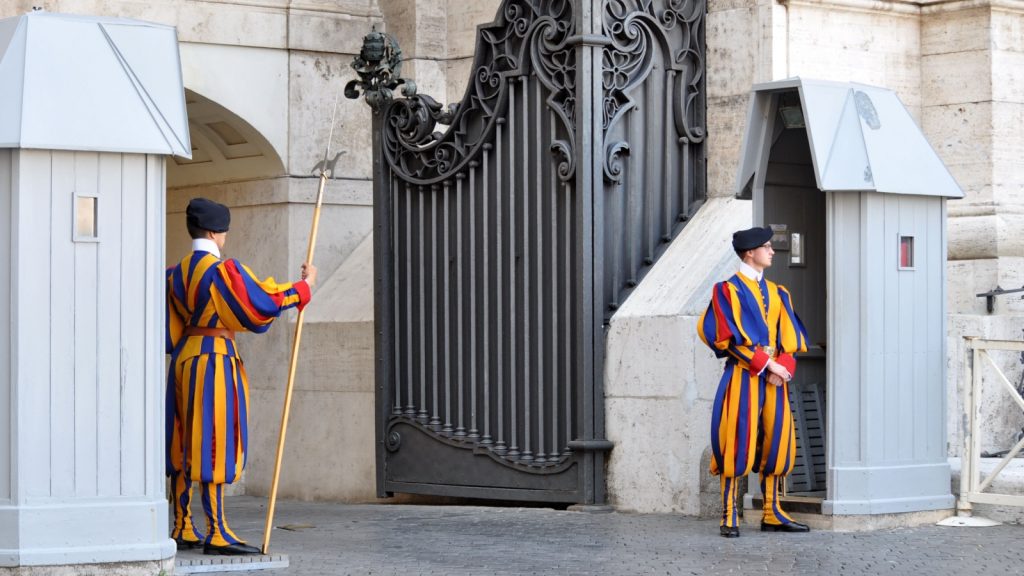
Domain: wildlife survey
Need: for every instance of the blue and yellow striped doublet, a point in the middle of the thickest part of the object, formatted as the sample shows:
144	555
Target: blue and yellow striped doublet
208	391
749	322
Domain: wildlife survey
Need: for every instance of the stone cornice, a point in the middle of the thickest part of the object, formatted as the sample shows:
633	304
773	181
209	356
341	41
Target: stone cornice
940	6
911	7
350	11
906	7
956	209
300	6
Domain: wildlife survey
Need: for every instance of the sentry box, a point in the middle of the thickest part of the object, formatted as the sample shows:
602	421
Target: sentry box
857	199
90	109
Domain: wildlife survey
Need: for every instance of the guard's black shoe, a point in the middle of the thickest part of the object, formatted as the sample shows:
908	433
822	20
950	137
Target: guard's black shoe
789	527
729	531
230	550
184	544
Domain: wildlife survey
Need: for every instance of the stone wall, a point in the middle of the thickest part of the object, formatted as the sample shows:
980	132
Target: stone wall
974	126
660	379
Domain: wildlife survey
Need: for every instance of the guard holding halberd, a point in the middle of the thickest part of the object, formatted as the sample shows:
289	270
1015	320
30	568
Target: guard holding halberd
208	300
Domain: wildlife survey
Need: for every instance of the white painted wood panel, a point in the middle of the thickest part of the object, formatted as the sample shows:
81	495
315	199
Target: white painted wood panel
878	308
108	328
132	285
86	287
6	215
31	320
63	434
155	294
844	327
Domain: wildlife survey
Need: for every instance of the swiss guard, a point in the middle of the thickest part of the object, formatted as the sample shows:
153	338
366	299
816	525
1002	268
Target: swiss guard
208	301
751	323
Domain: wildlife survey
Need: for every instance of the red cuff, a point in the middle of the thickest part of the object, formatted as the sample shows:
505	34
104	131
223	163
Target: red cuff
788	362
759	361
304	294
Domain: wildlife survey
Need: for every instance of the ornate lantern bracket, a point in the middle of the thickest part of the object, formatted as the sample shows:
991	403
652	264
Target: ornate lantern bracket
379	66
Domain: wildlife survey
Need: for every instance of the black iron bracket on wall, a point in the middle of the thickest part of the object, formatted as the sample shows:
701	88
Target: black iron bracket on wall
990	296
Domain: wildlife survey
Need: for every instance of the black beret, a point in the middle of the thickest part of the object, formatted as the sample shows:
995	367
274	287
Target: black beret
208	215
744	240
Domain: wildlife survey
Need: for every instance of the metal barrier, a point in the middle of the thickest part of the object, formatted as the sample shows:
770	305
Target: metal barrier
972	488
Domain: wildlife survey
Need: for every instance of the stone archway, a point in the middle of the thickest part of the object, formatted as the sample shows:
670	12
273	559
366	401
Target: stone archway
231	161
225	148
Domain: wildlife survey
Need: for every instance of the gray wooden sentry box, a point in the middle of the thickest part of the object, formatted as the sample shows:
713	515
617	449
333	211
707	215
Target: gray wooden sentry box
89	108
858	198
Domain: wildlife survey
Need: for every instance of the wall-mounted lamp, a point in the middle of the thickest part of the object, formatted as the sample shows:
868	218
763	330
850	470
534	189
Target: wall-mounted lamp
796	253
792	116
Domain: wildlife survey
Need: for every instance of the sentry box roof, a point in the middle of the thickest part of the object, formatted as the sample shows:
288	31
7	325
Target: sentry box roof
92	84
861	138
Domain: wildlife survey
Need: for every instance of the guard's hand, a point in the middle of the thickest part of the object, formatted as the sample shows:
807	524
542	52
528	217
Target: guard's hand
775	380
309	273
779	370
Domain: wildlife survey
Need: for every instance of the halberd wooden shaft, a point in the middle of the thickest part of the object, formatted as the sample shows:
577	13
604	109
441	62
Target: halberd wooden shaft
291	370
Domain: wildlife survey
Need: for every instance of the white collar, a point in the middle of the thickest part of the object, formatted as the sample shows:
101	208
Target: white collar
205	245
748	271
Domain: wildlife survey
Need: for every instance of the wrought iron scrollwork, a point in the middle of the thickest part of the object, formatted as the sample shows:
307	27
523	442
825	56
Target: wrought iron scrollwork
636	28
563	151
379	66
613	161
527	35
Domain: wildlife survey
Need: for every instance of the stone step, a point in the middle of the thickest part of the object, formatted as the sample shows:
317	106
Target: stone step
195	562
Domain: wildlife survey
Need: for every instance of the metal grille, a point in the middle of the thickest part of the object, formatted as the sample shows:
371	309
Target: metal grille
497	240
485	276
808	402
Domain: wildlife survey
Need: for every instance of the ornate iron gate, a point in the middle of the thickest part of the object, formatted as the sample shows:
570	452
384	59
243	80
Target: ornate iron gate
503	244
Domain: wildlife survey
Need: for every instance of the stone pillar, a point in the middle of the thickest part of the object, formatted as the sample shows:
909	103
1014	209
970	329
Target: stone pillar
421	28
742	50
463	19
973	107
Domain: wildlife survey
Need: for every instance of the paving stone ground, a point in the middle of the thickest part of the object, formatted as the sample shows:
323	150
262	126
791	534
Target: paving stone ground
386	539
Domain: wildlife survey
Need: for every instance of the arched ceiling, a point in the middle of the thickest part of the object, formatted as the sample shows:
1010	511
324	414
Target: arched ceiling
225	148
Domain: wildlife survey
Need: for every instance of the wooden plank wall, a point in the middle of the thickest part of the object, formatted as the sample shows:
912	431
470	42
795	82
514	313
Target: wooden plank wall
6	185
85	335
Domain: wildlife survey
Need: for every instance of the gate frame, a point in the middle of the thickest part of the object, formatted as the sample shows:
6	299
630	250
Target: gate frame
971	486
379	69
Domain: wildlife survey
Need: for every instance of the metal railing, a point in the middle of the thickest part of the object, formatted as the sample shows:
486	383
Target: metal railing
972	487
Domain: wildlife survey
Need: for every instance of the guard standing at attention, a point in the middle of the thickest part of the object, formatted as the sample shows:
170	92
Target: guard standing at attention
751	323
208	300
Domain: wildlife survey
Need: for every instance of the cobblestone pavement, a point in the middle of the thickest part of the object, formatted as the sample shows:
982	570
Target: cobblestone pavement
381	539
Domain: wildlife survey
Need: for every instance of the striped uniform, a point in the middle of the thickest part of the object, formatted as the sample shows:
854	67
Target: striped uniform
207	387
751	421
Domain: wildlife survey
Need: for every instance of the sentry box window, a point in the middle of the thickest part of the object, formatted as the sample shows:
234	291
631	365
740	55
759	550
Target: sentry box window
86	218
906	254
